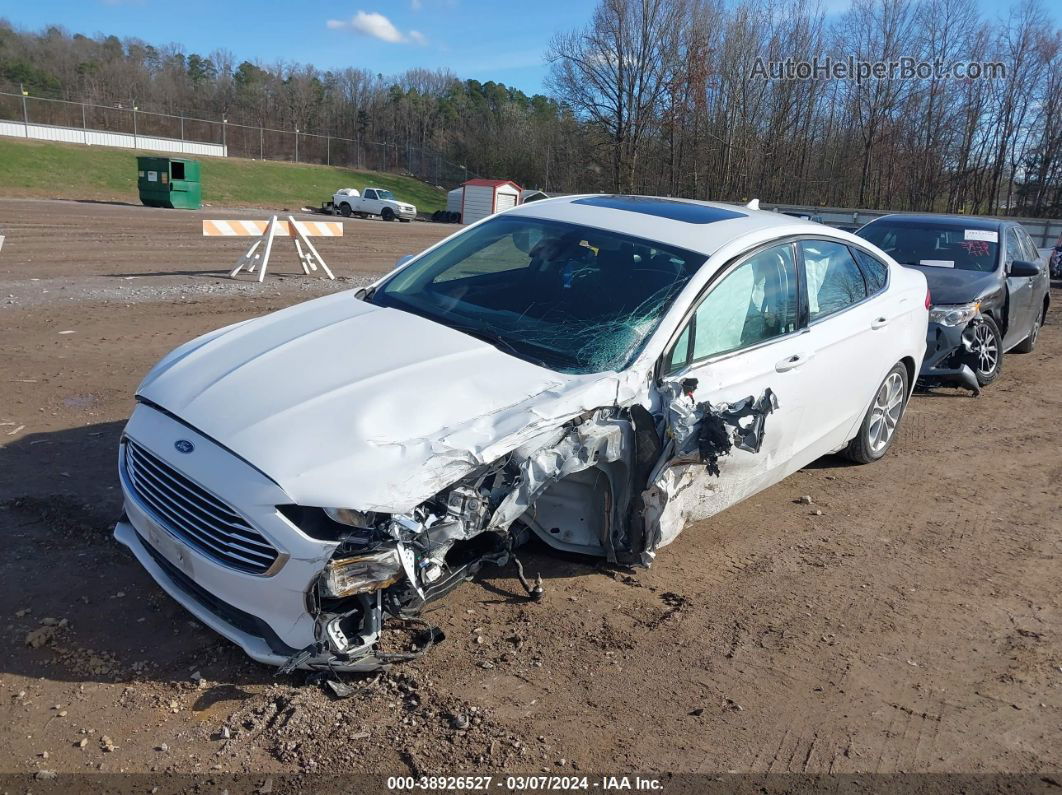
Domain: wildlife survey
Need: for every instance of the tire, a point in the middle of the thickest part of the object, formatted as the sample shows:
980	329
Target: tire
344	210
877	432
388	214
1028	345
987	364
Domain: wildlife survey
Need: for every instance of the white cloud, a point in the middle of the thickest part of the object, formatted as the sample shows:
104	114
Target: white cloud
371	24
376	26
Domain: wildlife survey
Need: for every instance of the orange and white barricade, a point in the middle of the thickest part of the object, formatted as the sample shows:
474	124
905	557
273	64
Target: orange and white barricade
265	231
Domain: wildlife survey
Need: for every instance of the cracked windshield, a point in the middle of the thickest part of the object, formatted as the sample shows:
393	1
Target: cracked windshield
571	298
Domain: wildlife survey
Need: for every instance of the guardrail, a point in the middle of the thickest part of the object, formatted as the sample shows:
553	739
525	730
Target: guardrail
1044	231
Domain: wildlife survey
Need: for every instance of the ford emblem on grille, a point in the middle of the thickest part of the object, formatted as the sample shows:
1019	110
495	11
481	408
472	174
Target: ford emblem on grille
184	446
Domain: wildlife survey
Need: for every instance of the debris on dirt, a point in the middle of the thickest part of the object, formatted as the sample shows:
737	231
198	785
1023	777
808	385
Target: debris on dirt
805	500
41	636
459	722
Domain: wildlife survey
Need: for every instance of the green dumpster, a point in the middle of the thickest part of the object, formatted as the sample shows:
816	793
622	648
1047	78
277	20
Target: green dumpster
168	182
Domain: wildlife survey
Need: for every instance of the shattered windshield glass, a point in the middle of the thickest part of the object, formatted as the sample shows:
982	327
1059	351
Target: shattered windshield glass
571	298
940	245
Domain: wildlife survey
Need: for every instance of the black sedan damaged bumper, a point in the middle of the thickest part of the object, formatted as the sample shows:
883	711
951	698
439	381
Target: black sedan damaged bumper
945	363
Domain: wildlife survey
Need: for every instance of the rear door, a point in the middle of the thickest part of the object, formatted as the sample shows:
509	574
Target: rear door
848	338
744	337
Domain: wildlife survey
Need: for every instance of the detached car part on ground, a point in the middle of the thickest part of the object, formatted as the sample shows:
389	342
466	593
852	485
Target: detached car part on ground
303	480
989	288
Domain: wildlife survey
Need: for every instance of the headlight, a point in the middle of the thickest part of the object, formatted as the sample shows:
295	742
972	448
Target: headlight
348	516
954	315
348	576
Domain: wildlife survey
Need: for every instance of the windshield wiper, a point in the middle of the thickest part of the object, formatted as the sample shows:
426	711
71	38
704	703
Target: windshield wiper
496	340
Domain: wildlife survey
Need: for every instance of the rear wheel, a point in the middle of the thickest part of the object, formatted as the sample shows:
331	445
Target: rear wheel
1029	343
344	210
878	430
986	350
388	214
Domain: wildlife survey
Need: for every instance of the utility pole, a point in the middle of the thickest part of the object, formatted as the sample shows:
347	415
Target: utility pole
296	144
224	135
136	145
25	113
84	125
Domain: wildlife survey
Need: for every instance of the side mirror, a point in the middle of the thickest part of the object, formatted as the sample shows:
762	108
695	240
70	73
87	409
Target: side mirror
1021	267
403	260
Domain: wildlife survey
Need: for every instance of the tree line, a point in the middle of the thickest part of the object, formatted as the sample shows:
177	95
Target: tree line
665	97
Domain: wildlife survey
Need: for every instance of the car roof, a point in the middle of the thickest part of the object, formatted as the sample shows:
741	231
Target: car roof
698	226
915	219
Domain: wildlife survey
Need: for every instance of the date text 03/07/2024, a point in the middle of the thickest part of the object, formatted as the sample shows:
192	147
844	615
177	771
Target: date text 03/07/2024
528	783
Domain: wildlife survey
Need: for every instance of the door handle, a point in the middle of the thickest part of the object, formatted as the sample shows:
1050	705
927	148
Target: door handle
879	322
792	362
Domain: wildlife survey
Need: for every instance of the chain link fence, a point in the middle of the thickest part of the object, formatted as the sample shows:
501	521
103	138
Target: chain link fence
238	140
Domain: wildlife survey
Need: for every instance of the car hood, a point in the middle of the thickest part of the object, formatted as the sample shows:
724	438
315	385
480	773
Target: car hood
349	405
956	286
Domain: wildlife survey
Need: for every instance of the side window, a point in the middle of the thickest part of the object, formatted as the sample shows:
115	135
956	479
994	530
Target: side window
1013	246
1032	254
370	194
755	302
834	280
875	271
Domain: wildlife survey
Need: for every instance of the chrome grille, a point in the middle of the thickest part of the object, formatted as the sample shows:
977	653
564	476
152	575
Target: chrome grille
194	514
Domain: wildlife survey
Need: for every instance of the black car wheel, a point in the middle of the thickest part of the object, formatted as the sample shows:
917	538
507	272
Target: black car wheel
344	210
986	350
388	214
1029	343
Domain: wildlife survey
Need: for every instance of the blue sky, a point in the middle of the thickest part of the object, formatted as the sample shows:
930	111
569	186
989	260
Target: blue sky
501	40
481	39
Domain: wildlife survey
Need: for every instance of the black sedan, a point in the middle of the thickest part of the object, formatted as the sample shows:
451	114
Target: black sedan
988	287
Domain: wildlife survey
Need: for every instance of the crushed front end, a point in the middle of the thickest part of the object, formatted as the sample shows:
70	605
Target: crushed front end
951	347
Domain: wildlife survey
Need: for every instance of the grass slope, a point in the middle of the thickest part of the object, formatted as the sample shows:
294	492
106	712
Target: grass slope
37	169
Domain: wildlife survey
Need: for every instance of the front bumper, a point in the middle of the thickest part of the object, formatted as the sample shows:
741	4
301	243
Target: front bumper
267	615
944	362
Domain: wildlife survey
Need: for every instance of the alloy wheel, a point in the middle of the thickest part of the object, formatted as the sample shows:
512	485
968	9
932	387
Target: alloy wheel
886	412
985	349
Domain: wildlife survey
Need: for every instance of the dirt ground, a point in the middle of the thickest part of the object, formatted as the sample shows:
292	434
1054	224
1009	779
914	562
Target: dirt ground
914	626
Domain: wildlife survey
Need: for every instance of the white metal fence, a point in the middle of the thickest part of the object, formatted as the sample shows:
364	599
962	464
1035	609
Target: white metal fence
126	126
74	135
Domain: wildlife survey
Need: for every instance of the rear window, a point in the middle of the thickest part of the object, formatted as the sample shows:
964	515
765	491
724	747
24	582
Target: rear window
875	271
940	245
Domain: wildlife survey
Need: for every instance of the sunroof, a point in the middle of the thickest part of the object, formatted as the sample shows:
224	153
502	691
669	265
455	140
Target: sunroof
662	208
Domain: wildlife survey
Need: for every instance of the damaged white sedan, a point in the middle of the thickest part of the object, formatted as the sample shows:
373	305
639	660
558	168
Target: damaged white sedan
595	371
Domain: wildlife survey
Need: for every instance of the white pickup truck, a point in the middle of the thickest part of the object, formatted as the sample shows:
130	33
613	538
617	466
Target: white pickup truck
372	201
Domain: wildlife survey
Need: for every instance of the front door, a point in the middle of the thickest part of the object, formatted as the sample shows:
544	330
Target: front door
1020	292
744	347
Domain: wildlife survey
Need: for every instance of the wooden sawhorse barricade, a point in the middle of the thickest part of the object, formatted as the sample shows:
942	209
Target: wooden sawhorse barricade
265	231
